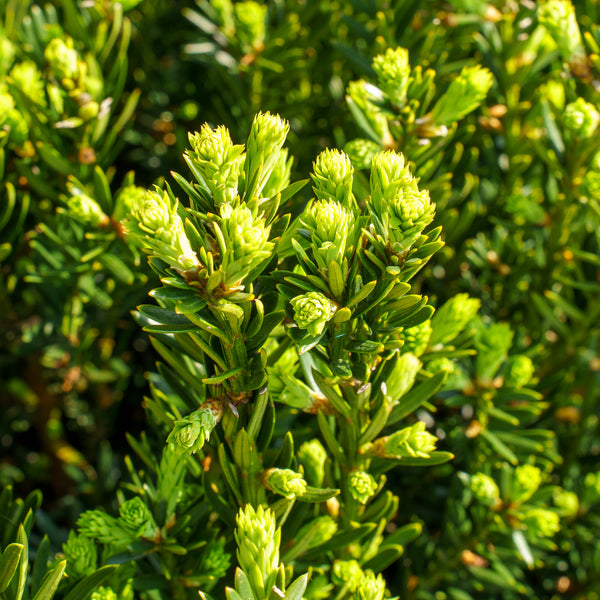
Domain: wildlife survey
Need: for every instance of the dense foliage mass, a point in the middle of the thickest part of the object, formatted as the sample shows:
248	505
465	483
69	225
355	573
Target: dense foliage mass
299	299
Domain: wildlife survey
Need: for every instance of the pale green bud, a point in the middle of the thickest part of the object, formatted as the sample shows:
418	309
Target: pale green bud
416	338
393	73
519	371
410	442
541	522
89	110
361	152
464	94
312	311
441	364
581	118
154	221
258	541
266	139
327	220
369	587
279	178
312	456
104	593
136	518
346	573
324	528
86	210
219	161
526	481
332	176
567	502
559	18
250	24
80	552
62	58
285	482
190	433
362	486
99	525
127	198
412	207
389	174
246	243
485	489
28	79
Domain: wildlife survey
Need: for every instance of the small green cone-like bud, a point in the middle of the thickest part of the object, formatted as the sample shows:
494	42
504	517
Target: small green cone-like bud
154	222
62	58
250	24
485	489
98	525
526	481
246	243
332	176
464	94
346	572
362	486
285	482
416	338
581	118
411	208
559	18
136	518
410	442
266	139
126	199
279	178
390	175
567	502
219	161
541	522
190	433
369	587
28	79
80	552
258	541
312	457
312	311
361	152
86	210
393	72
519	371
104	593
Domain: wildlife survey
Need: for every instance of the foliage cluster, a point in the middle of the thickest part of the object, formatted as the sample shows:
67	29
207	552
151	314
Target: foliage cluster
348	348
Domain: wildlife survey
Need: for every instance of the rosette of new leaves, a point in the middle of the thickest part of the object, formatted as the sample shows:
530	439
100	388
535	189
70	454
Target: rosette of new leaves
190	433
153	221
62	59
80	552
136	518
485	489
581	118
332	175
526	481
285	482
393	73
362	486
399	210
218	160
86	210
410	442
369	587
243	243
312	311
464	94
541	522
